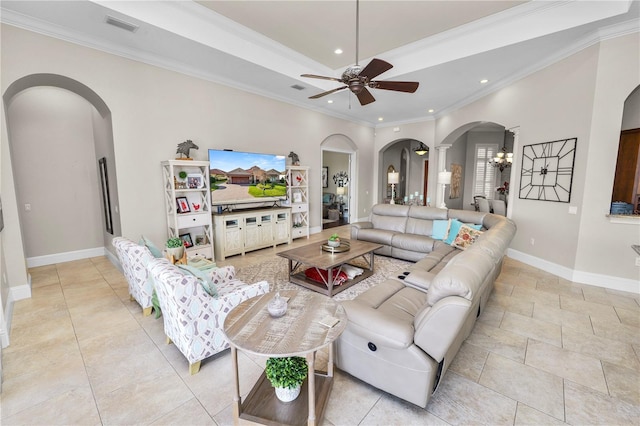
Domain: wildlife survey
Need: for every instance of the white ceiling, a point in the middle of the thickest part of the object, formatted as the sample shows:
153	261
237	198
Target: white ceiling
263	46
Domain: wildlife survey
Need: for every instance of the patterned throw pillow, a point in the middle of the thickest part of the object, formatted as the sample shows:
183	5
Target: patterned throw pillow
466	237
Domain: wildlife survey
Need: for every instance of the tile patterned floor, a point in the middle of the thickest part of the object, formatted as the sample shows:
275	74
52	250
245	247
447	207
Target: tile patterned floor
545	351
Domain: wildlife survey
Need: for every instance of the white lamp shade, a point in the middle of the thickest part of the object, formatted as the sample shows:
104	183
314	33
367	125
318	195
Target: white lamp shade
340	190
393	177
444	178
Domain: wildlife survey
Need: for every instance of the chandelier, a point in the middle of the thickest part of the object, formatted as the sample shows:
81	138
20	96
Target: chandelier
503	159
422	149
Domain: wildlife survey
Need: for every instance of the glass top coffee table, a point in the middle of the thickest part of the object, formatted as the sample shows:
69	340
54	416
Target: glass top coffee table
312	255
300	332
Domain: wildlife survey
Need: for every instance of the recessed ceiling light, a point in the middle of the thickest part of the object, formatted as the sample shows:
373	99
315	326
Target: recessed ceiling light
338	51
380	118
330	101
484	81
431	110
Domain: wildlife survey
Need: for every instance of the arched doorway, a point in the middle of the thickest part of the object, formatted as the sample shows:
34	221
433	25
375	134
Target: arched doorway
412	167
58	131
338	153
468	152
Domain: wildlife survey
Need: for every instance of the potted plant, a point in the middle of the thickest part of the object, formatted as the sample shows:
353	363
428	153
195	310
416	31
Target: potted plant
334	241
286	375
175	247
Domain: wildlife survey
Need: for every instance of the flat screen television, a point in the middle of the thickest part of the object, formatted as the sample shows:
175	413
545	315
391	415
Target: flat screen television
246	177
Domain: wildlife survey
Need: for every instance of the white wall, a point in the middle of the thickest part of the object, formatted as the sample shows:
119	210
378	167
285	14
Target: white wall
52	141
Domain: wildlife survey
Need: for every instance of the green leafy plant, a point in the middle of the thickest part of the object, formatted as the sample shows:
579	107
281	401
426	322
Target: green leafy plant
182	174
286	372
175	242
334	237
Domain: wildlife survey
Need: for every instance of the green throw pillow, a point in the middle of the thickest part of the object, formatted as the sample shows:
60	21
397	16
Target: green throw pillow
155	251
207	285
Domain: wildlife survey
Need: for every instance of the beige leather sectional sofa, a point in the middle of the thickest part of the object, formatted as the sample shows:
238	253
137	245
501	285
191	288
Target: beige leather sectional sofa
403	333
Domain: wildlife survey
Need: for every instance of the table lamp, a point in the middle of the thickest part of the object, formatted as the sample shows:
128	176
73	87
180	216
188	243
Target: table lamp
393	178
340	191
444	178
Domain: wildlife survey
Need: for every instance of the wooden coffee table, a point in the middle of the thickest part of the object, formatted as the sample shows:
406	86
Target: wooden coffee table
312	255
250	328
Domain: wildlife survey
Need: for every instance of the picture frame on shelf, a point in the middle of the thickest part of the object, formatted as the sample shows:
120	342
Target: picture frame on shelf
201	240
186	238
195	181
297	197
183	205
325	177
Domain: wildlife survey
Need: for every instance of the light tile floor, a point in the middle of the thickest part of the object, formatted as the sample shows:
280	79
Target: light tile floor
545	351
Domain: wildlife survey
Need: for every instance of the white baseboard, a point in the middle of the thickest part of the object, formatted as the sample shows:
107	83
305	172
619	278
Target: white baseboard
15	293
51	259
589	278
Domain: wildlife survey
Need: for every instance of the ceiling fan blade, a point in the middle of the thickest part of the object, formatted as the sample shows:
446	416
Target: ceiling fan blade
375	68
319	95
398	86
365	97
321	77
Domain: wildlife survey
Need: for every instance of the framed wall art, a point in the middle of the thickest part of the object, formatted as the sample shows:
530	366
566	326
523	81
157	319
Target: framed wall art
183	205
547	170
325	177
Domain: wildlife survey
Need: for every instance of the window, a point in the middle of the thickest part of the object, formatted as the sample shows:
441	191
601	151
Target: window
484	176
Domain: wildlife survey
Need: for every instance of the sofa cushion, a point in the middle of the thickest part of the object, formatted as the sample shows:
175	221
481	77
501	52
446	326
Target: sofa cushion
378	236
413	242
390	217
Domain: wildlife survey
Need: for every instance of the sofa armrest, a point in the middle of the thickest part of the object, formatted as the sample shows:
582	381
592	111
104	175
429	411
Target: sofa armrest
378	327
436	327
419	279
356	226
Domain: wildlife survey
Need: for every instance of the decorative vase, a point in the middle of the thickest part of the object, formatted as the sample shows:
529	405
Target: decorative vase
288	394
277	307
176	252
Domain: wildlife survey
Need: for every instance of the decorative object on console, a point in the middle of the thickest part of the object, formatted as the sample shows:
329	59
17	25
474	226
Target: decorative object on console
286	376
444	179
547	170
295	160
503	159
393	179
184	148
421	149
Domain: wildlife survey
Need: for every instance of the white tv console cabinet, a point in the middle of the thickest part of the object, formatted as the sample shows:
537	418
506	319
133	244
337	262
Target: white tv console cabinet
242	231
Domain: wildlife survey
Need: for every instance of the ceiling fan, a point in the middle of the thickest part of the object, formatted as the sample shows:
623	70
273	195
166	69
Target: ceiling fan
357	79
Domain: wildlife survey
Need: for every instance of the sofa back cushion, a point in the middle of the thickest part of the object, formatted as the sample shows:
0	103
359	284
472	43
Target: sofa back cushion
390	217
463	276
420	220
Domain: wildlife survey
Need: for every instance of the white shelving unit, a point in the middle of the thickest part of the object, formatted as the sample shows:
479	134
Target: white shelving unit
298	197
194	191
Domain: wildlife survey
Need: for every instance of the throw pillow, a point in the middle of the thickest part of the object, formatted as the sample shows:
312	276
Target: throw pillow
454	227
207	285
440	228
326	198
352	271
320	276
155	251
466	237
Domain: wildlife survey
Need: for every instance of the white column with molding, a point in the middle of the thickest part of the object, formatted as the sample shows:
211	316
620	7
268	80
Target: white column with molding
442	165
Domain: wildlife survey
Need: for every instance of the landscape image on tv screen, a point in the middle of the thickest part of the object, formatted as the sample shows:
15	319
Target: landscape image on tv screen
246	177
